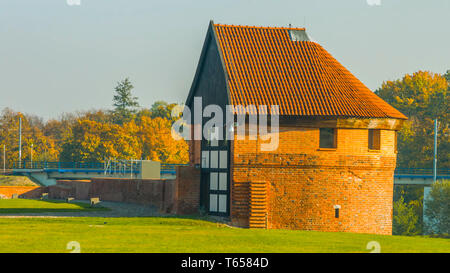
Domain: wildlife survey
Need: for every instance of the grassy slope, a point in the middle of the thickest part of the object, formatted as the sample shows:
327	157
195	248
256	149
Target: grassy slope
187	235
39	206
16	181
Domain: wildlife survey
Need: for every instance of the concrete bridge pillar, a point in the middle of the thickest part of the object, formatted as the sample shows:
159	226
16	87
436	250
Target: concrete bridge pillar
426	197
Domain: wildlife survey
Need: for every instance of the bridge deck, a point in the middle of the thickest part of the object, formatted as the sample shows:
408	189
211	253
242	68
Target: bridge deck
418	176
128	167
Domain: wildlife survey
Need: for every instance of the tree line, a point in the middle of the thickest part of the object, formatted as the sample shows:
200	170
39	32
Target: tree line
130	131
423	97
127	131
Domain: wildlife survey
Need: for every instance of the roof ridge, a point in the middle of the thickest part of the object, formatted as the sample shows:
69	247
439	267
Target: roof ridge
260	27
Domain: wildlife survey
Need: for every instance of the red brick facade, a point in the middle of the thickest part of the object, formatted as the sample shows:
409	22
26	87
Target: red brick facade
305	183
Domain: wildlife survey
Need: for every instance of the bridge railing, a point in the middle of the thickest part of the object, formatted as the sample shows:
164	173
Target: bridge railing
123	166
421	171
58	165
108	167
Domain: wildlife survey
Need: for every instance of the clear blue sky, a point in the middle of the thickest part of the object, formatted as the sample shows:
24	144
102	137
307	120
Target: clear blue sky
58	58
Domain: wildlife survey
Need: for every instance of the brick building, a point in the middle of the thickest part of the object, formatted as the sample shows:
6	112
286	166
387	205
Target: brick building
333	167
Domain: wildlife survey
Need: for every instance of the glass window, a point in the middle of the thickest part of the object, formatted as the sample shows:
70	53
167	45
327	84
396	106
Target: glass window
213	182
213	202
327	138
223	181
205	159
222	203
374	139
214	159
223	159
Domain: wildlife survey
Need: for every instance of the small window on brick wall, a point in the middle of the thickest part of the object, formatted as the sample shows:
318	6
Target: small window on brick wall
336	211
327	138
374	139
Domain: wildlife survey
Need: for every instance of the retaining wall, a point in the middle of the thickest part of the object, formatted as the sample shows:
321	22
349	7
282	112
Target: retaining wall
22	191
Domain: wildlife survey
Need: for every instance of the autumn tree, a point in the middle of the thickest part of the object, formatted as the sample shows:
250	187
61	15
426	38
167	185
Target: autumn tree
33	139
159	109
125	104
158	143
59	130
102	116
93	141
447	76
423	97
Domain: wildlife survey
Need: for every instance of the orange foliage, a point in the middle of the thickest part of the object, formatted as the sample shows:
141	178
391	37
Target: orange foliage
158	143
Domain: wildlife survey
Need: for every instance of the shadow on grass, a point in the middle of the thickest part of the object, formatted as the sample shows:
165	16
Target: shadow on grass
201	217
34	207
30	210
20	206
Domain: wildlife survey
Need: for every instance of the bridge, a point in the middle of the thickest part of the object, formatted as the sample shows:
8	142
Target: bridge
46	173
418	176
422	177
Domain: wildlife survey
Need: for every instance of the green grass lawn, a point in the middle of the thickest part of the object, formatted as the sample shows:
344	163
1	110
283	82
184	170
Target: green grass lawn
187	235
12	206
170	234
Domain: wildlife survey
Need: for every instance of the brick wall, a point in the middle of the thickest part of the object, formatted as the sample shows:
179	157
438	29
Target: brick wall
154	192
79	189
22	192
305	182
180	196
157	193
187	190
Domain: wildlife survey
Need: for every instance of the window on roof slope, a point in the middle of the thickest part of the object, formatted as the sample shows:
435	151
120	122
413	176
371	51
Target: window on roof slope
298	35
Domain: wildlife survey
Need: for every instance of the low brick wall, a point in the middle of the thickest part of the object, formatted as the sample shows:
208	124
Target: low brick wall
22	191
79	189
180	196
157	193
154	192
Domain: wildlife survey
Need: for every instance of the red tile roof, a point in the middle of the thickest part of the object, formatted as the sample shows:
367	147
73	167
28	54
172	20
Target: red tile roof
265	67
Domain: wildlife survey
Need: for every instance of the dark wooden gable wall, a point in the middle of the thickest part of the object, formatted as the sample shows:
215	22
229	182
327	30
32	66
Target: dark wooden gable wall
209	82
